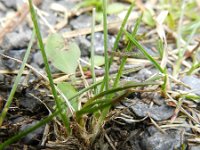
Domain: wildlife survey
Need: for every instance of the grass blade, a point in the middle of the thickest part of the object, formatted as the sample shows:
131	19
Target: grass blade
105	31
17	80
123	61
121	88
27	131
119	35
139	46
47	68
92	49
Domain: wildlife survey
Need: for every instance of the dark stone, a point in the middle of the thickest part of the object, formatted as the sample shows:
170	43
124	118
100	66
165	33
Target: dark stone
84	46
194	82
99	42
160	141
195	147
10	3
38	59
16	40
158	113
12	64
33	137
30	103
82	21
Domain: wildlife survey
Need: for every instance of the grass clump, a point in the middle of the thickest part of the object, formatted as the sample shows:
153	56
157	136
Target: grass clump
106	92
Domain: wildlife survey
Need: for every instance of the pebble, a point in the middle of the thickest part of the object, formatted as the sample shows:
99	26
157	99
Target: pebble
99	42
84	45
82	21
16	40
144	74
158	113
12	64
10	3
194	82
38	59
30	103
160	141
33	136
195	147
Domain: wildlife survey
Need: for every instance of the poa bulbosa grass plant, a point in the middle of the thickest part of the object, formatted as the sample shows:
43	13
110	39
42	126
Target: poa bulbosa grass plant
103	91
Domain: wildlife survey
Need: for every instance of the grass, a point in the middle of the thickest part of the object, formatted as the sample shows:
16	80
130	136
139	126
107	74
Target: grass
47	68
17	81
92	49
112	90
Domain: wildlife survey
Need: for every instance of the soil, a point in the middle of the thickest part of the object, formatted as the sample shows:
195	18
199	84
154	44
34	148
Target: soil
141	121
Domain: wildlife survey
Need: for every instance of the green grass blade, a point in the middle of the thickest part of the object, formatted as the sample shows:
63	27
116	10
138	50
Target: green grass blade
105	111
139	46
121	88
47	68
92	49
105	31
194	67
179	38
27	131
123	61
95	103
102	104
119	35
17	80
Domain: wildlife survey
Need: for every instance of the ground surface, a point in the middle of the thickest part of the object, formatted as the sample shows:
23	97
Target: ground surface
141	121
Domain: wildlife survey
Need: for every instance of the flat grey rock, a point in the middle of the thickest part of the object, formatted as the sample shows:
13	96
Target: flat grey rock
38	59
158	113
16	40
159	141
84	45
82	21
33	136
12	64
195	147
99	42
193	82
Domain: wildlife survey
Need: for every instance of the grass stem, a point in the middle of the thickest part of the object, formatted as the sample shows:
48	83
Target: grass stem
17	80
47	68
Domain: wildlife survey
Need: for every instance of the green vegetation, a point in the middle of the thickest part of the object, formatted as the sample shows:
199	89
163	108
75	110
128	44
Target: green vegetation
109	90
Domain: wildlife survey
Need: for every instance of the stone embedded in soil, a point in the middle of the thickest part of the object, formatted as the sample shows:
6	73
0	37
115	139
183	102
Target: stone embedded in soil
144	74
158	113
84	45
16	40
194	82
155	140
13	4
9	3
33	136
69	4
195	147
30	103
38	59
51	19
99	42
82	21
12	64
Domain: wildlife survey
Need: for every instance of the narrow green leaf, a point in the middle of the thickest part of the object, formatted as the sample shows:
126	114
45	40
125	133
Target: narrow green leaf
17	80
65	119
139	46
